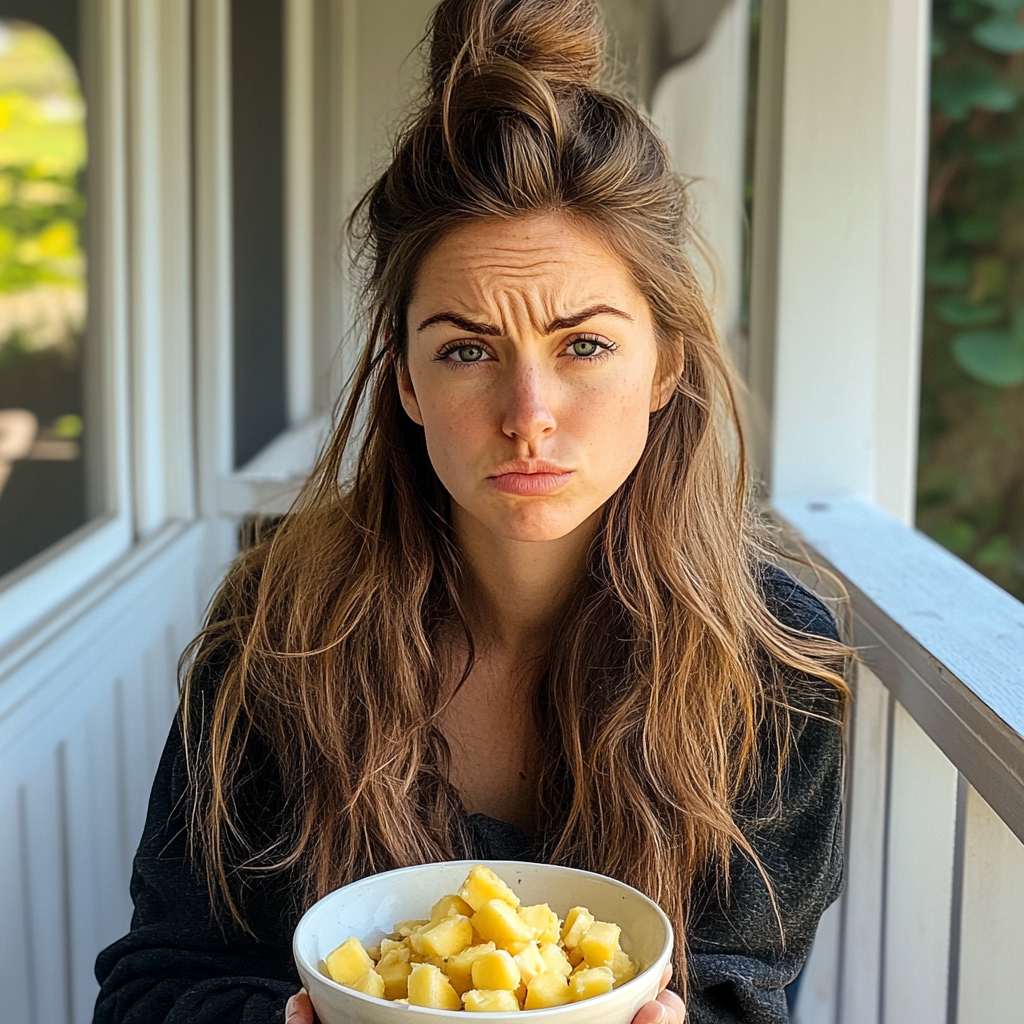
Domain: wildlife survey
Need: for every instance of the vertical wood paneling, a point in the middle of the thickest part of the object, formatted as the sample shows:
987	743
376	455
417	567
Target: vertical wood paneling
819	982
865	824
15	1003
922	823
44	843
992	921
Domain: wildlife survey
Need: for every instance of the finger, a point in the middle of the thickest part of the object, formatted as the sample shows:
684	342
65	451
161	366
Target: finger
299	1010
674	1007
665	979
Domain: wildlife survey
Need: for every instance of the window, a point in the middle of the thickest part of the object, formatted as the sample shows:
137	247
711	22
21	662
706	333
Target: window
257	172
971	473
47	465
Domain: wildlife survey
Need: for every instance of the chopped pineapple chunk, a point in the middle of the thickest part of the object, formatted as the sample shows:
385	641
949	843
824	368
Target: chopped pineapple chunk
496	970
394	968
447	906
406	928
429	987
370	984
459	968
388	945
623	969
447	937
600	944
542	921
556	959
483	885
589	982
348	962
497	922
485	1001
547	989
530	962
577	921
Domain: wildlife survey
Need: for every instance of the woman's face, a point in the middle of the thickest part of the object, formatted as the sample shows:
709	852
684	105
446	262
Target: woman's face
533	370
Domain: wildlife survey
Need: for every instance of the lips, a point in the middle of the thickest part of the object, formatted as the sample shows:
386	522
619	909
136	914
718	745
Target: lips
530	478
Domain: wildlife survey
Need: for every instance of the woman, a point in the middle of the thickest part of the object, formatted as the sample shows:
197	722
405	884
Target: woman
536	621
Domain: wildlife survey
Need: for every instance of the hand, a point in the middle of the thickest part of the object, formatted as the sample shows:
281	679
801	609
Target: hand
299	1010
668	1008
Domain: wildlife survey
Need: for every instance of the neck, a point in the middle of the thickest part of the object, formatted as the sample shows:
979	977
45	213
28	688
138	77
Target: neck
515	589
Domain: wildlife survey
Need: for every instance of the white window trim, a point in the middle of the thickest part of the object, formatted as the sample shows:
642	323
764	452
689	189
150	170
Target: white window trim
269	482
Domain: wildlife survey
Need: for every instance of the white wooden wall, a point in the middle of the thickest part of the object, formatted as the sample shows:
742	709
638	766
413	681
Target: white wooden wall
82	723
931	924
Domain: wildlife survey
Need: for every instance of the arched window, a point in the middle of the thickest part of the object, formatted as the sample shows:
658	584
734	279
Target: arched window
43	305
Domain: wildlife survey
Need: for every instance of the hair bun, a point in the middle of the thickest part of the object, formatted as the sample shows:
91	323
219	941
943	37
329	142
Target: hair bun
562	41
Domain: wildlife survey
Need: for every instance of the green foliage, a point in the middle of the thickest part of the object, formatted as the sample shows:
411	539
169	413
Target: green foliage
971	476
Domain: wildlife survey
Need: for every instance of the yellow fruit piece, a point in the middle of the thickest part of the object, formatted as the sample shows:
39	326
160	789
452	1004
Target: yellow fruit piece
577	921
542	921
373	952
370	984
389	945
623	969
406	928
547	989
395	969
589	982
556	959
459	968
575	956
348	962
498	922
530	962
446	906
600	944
482	885
496	970
484	1001
429	987
447	937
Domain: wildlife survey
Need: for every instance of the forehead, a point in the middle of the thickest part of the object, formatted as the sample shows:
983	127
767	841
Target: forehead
546	258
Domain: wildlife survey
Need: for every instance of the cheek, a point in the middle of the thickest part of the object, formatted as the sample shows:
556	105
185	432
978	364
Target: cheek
457	431
611	426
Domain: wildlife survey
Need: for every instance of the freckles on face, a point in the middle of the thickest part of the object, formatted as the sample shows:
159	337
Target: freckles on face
532	366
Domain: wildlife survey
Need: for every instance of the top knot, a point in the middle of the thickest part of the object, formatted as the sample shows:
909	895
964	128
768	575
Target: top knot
562	41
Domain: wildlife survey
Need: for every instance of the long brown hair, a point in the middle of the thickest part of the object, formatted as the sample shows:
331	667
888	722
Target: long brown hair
667	676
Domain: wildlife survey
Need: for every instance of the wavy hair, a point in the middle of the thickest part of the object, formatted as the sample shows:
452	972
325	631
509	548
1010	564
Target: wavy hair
665	696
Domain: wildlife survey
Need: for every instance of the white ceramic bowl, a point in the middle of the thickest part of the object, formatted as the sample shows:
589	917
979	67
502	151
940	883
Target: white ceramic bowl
369	909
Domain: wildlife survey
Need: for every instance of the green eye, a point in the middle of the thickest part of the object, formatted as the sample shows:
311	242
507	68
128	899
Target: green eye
469	353
583	347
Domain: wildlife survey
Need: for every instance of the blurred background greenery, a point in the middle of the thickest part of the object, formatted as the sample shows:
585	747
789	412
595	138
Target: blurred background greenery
42	287
971	464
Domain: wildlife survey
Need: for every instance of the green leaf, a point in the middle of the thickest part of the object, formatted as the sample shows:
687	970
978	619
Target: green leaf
1000	35
1003	6
996	551
961	312
992	357
955	535
977	227
938	45
958	90
953	273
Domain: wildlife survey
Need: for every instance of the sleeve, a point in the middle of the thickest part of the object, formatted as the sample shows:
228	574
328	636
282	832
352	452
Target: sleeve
738	961
178	964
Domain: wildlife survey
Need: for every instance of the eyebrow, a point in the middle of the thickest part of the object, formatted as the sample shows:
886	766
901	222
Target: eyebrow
560	323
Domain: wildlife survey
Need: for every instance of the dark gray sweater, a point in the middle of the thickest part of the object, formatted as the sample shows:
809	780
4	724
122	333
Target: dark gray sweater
177	966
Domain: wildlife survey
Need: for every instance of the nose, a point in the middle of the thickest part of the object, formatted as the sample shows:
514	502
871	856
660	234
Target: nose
528	414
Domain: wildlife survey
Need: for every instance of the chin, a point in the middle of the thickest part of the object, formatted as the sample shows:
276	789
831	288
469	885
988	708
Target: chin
537	525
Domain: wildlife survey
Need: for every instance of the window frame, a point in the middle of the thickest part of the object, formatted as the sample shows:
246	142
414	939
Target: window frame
135	72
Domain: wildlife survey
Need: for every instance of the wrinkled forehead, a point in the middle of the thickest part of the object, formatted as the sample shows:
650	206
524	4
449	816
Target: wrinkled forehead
529	269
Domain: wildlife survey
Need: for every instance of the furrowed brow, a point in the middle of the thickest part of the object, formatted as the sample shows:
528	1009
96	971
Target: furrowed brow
561	323
463	324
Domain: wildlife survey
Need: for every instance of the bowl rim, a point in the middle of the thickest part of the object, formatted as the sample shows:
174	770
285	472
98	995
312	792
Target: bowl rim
633	983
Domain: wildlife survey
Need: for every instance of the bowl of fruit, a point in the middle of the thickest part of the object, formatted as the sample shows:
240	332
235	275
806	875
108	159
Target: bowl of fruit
497	937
